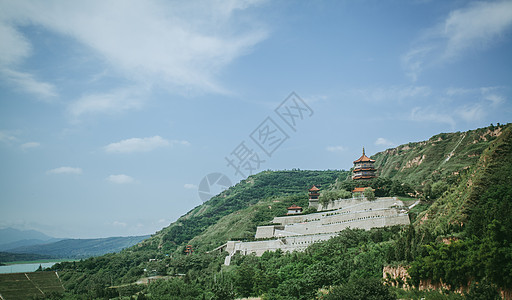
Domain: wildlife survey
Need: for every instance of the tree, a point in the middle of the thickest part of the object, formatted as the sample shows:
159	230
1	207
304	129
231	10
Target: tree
483	291
369	194
244	277
361	289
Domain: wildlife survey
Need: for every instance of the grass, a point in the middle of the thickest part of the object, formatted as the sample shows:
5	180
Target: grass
29	285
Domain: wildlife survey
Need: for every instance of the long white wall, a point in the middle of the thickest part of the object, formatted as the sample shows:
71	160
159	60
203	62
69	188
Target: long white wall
296	233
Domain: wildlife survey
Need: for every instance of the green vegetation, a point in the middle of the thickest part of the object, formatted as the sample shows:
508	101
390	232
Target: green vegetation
255	188
30	285
18	257
484	252
461	233
418	163
361	289
369	194
79	248
384	187
330	195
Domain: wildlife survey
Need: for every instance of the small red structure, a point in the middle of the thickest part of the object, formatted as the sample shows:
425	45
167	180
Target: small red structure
294	209
189	249
314	193
363	168
359	191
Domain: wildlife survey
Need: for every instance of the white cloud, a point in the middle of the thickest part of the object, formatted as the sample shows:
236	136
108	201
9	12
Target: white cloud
27	83
335	148
490	94
29	145
110	102
471	113
142	144
420	114
119	224
414	61
120	179
176	45
475	27
190	186
392	93
14	48
6	136
384	142
65	170
478	25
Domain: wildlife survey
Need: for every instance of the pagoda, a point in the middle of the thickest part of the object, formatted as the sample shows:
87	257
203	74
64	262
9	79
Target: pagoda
313	197
363	168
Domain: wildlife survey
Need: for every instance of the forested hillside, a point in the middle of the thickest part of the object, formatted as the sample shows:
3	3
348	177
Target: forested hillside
463	182
476	213
80	248
267	184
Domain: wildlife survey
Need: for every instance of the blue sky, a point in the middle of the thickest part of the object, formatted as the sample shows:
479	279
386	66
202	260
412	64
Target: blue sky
112	112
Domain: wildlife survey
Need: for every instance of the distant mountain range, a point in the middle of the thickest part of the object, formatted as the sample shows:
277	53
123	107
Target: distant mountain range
11	238
81	248
34	242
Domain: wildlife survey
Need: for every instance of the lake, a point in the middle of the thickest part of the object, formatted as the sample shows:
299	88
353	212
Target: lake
21	268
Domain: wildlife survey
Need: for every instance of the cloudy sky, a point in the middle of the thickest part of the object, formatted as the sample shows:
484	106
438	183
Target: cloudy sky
113	112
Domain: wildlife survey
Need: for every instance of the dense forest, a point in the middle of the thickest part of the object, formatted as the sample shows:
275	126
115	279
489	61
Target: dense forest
460	235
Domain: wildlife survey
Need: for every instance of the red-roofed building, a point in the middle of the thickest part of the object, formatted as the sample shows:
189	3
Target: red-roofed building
363	168
294	209
314	193
359	191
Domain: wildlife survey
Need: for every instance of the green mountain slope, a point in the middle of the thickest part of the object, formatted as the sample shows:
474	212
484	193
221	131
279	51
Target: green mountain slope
241	196
474	217
491	174
443	156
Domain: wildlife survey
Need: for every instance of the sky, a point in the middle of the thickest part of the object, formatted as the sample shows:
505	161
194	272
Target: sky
118	117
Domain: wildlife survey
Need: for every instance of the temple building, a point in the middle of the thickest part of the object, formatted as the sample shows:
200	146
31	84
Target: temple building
294	209
363	168
313	197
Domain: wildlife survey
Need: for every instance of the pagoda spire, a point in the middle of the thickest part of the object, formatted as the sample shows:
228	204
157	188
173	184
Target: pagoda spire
363	150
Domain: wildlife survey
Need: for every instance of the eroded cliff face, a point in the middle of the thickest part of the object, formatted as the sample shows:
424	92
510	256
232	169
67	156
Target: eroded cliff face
443	155
398	276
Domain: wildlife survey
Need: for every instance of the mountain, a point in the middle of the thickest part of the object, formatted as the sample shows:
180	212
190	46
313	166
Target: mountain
234	214
466	198
463	182
11	235
11	257
24	243
443	156
268	185
80	248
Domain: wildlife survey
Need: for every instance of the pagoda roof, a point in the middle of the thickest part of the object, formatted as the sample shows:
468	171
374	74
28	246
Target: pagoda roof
363	158
294	207
314	189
